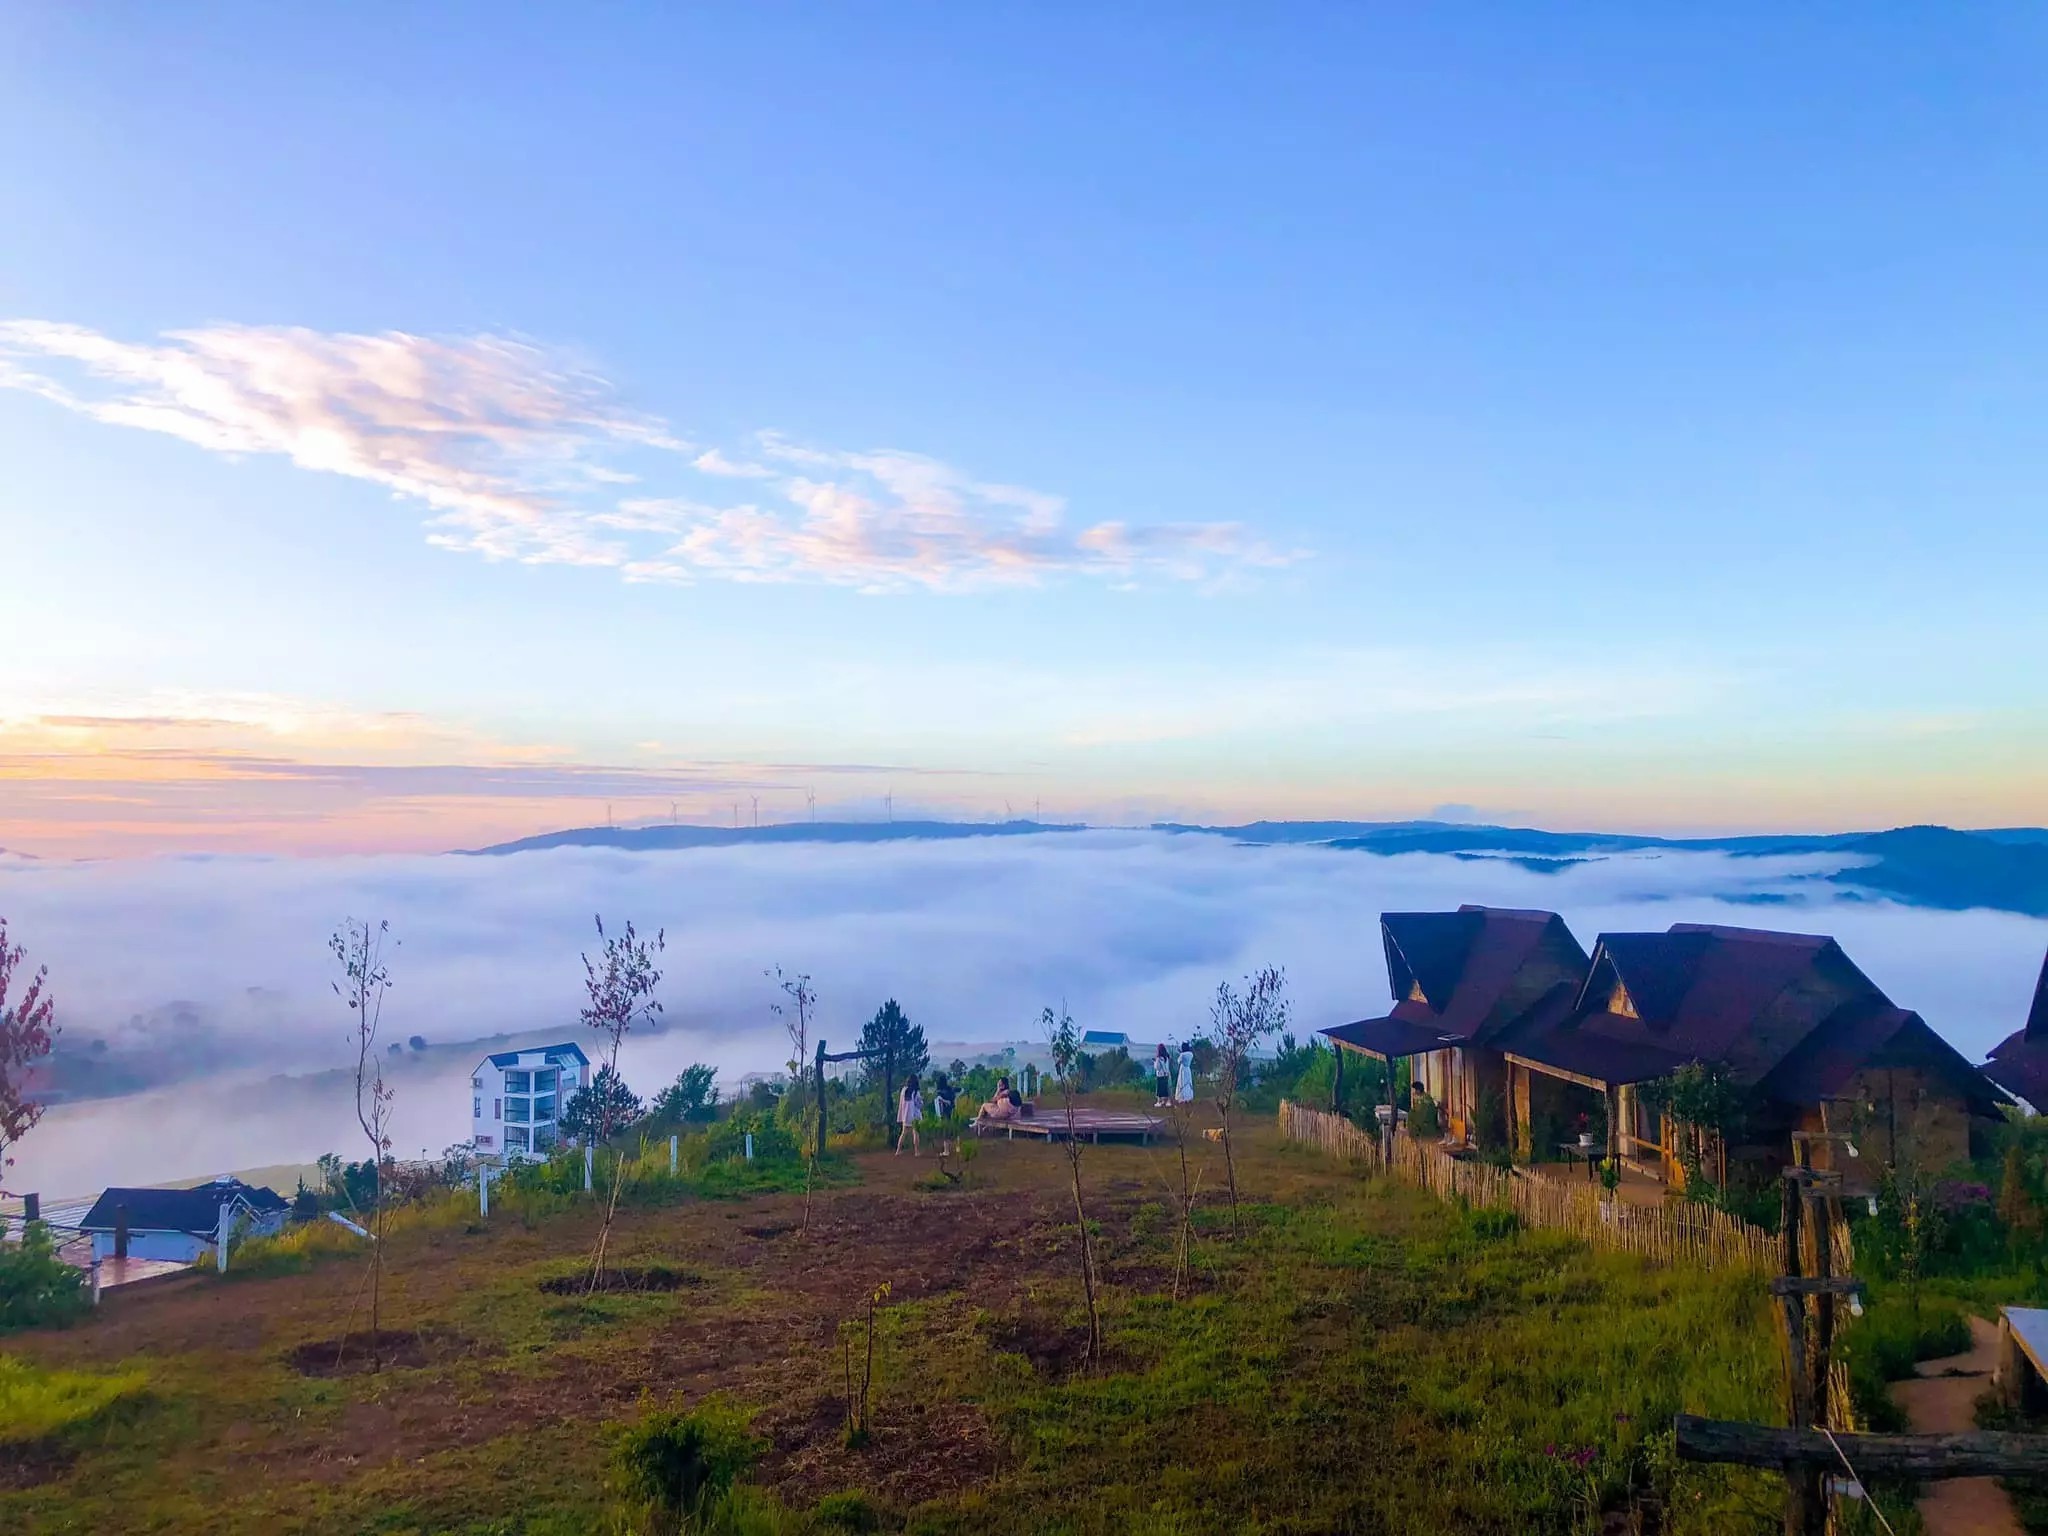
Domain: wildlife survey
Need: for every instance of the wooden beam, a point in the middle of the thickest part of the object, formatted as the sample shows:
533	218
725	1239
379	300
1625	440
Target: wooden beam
1979	1453
1811	1178
1815	1285
1593	1083
1363	1051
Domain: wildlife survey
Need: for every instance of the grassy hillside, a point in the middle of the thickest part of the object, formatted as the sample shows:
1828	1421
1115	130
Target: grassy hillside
1364	1358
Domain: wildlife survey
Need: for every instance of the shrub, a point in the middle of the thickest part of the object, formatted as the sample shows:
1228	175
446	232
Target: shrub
677	1462
38	1289
772	1141
851	1510
1423	1120
1494	1222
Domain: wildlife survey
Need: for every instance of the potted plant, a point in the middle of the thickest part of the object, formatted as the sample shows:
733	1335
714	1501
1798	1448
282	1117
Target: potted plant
1585	1133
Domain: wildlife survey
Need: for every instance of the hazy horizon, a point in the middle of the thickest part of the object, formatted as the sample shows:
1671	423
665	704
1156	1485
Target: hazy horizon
208	978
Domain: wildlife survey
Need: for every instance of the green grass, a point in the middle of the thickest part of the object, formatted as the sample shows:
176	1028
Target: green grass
36	1403
1364	1357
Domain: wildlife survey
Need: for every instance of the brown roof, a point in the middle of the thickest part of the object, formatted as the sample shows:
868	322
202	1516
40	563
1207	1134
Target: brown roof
1479	968
1744	998
1861	1035
1389	1038
2019	1062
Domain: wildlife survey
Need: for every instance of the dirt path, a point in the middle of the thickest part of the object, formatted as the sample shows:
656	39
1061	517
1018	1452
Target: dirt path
1942	1399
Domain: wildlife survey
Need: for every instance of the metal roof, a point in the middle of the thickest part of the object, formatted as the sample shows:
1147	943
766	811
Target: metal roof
196	1211
1389	1038
568	1050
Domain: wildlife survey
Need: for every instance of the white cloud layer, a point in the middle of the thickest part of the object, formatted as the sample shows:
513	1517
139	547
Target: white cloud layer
216	968
516	450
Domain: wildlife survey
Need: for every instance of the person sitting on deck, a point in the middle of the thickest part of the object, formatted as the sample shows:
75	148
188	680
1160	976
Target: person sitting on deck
1005	1105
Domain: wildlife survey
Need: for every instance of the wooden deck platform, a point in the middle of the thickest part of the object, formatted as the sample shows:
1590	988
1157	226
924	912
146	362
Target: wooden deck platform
2022	1350
1089	1125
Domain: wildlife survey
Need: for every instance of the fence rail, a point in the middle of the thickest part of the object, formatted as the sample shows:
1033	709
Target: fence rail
1669	1234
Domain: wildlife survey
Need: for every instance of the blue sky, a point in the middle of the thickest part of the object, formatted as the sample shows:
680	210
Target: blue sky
1622	419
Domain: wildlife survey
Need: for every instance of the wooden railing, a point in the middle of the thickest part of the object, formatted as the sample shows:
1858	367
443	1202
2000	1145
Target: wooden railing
1676	1232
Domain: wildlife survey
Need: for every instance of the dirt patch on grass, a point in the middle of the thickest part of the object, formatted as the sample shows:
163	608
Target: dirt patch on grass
915	1452
29	1463
386	1350
652	1277
1055	1350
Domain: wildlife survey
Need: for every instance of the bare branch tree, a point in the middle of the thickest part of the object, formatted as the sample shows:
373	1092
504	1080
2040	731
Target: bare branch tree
358	948
796	1020
620	985
1242	1020
27	1031
1065	1042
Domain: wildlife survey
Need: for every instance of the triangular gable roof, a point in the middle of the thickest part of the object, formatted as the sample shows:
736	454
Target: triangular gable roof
1862	1035
1700	990
1468	963
1428	949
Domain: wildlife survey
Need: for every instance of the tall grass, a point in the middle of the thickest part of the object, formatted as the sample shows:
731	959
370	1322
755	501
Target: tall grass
35	1402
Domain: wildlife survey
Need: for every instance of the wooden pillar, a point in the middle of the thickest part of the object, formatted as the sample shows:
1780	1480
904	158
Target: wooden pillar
2012	1380
821	1098
1806	1509
1337	1086
120	1231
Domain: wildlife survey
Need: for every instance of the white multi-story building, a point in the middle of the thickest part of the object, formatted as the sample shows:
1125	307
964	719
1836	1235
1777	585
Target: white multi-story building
517	1099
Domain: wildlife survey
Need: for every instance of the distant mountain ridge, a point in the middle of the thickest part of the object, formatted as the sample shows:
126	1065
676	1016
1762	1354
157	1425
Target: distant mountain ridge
2004	868
640	839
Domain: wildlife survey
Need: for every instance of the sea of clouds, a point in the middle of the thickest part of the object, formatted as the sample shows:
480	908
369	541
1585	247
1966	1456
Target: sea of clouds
198	988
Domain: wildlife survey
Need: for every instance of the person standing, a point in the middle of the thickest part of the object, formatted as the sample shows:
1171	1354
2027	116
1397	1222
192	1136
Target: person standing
943	1099
1162	1076
1185	1092
909	1110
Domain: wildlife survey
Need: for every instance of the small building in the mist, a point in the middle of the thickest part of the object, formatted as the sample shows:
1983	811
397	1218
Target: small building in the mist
517	1099
177	1225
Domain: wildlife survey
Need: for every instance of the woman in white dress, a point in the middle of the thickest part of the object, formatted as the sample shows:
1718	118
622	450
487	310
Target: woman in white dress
1185	1090
909	1110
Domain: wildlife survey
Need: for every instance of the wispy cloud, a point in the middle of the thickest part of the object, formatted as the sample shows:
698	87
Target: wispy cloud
516	449
161	770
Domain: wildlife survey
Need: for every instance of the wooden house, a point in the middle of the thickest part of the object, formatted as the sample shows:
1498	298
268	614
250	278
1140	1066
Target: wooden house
1459	981
2019	1062
1807	1039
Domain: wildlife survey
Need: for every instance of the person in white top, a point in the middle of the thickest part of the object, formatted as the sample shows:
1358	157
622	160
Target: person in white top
909	1110
1162	1077
1185	1092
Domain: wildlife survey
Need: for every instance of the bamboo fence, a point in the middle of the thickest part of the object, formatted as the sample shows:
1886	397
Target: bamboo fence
1672	1233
